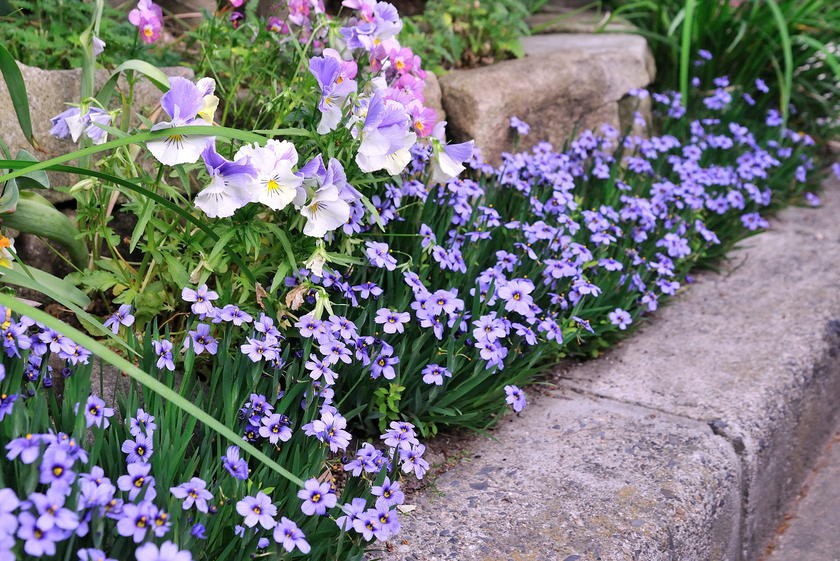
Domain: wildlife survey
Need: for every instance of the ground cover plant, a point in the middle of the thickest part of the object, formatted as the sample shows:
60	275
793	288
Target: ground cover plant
465	33
302	299
789	44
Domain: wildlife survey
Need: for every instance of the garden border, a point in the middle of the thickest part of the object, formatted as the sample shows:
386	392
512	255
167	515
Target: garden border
663	449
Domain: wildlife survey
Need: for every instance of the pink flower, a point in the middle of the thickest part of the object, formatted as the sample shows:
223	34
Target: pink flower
423	119
402	60
148	17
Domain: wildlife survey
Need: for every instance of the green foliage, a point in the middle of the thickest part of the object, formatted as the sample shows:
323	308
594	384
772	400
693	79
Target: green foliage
45	33
467	33
17	91
387	403
253	70
790	43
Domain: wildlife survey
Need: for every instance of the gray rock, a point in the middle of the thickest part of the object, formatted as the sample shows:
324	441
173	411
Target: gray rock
752	352
590	491
49	91
433	95
580	22
565	84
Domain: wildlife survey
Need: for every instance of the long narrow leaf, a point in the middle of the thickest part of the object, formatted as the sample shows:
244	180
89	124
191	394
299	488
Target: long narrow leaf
830	59
685	49
154	74
17	93
146	193
139	138
43	282
31	278
112	358
787	53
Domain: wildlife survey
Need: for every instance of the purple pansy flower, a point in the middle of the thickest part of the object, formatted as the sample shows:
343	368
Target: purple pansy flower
201	340
392	322
187	104
168	551
229	188
139	450
621	318
138	480
515	397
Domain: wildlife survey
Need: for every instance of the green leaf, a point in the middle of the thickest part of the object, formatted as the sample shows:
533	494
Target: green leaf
287	248
146	193
830	58
95	280
284	132
147	380
37	179
154	74
11	195
36	215
685	49
179	274
17	92
58	289
139	138
787	53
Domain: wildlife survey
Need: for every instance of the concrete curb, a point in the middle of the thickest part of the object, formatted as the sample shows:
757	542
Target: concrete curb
684	443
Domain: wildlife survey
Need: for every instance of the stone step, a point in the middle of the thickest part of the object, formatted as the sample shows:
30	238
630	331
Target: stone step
685	442
809	530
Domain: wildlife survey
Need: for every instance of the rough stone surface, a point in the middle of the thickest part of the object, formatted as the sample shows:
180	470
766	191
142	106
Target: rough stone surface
583	479
753	352
433	96
811	532
49	92
579	22
684	443
566	83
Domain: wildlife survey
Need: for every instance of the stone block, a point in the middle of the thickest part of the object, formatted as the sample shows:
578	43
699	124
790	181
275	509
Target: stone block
576	22
582	479
565	84
49	91
433	95
753	352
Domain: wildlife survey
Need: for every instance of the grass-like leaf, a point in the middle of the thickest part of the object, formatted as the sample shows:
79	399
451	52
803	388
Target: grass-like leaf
787	53
112	358
685	48
139	138
146	193
17	92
